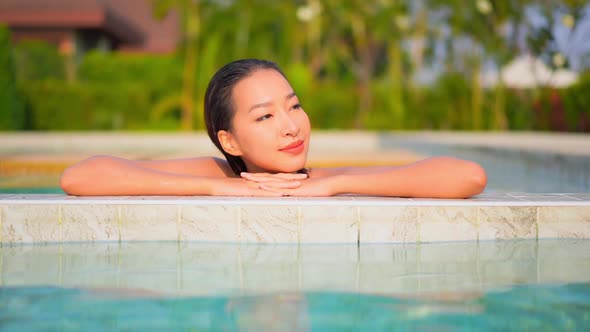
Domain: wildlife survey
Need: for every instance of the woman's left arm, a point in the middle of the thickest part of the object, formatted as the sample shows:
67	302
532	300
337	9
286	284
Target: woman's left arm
437	177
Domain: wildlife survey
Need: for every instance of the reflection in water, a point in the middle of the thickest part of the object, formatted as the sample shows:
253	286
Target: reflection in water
534	307
186	286
185	269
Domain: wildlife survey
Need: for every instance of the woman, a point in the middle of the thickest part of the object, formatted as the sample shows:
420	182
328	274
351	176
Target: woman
254	117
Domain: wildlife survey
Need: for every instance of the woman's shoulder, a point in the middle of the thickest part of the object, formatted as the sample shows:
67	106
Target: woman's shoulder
198	166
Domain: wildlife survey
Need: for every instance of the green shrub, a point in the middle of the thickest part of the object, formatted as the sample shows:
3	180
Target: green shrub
57	105
162	73
12	111
576	101
38	60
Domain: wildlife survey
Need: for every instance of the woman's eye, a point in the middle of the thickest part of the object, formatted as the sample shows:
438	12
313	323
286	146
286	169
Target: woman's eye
264	117
296	107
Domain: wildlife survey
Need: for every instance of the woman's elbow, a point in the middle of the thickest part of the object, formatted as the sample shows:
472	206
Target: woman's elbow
478	178
75	179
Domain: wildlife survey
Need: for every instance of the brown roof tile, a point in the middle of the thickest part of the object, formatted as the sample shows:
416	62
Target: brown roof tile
130	21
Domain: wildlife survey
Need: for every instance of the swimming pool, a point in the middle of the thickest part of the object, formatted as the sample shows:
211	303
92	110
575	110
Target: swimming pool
486	285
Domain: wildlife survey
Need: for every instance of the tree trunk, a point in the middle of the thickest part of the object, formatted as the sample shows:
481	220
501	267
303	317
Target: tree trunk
476	95
396	101
190	64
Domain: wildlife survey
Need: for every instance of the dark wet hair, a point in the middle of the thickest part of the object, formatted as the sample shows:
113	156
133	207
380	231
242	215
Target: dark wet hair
219	110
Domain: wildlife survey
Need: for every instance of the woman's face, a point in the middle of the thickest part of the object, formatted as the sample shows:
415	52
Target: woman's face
270	130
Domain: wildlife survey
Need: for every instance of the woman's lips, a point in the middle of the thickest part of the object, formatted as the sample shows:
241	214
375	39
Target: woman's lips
294	148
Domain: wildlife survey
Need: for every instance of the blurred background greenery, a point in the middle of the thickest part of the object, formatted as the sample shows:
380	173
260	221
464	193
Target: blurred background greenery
363	64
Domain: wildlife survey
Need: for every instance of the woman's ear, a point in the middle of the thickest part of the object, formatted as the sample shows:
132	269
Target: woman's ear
228	143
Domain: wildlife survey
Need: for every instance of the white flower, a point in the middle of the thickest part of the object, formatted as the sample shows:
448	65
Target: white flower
484	6
402	22
568	20
307	13
558	60
304	13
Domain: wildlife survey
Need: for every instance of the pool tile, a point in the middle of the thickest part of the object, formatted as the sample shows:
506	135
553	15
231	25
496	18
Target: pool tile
563	270
499	273
252	200
563	260
208	268
388	224
149	265
343	276
208	254
271	224
333	200
581	196
30	223
564	222
337	224
148	255
546	198
209	280
94	199
389	253
30	265
49	198
331	253
268	253
90	264
490	251
448	252
149	223
448	223
388	279
507	222
209	223
388	269
263	278
90	223
332	267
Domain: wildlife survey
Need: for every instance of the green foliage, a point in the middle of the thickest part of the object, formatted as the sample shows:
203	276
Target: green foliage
353	64
37	60
55	104
576	101
12	112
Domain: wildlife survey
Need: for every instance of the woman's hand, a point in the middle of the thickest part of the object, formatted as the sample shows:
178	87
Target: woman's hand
320	187
275	182
293	184
245	187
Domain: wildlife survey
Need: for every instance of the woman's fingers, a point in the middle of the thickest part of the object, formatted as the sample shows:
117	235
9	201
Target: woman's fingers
266	192
281	184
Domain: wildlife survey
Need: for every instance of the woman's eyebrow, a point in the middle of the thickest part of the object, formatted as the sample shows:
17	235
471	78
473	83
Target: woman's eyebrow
269	103
260	105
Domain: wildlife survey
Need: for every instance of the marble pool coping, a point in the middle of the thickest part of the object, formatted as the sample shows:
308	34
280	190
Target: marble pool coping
55	218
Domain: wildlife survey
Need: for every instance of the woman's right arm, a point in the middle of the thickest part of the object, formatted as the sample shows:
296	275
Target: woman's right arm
112	176
106	175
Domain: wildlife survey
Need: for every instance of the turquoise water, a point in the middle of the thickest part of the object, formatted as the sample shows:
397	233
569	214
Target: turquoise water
535	308
188	286
49	190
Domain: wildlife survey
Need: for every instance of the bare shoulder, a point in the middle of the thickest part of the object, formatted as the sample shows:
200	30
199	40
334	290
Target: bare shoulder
198	166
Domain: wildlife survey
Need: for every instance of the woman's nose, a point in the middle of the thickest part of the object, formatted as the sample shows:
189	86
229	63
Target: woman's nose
289	126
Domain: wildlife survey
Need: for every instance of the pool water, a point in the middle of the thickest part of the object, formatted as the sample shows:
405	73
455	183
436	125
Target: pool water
533	307
459	286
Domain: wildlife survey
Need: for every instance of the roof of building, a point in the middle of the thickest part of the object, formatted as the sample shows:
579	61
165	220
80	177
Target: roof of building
129	21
